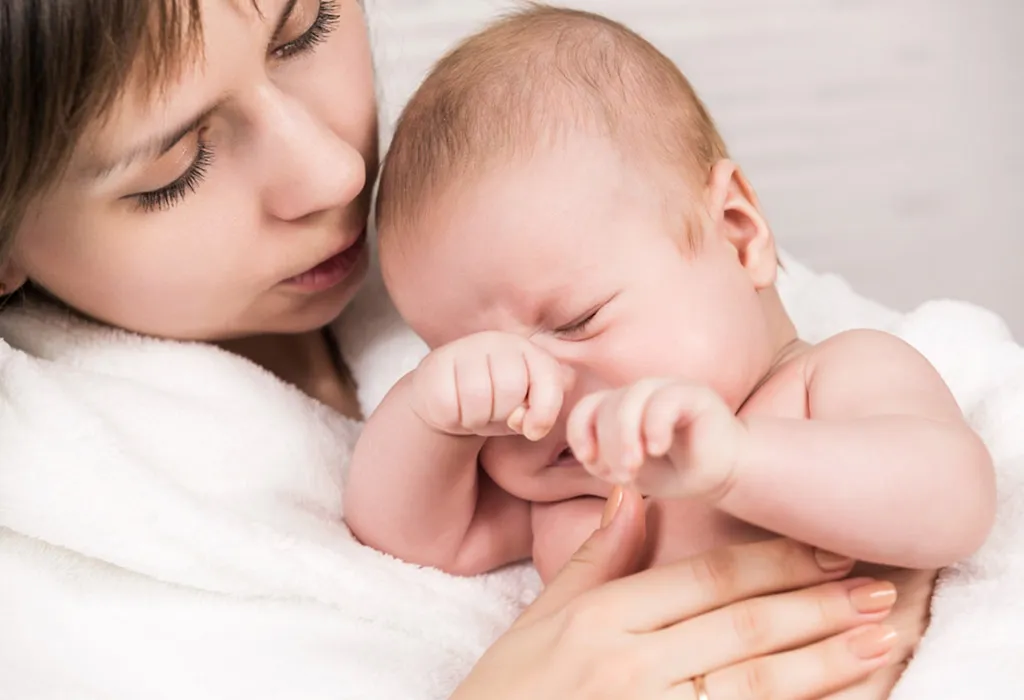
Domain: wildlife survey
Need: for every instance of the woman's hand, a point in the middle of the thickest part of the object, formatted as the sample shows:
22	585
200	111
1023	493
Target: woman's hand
725	618
909	617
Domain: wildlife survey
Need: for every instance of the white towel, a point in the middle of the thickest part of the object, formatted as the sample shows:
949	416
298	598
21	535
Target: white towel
170	521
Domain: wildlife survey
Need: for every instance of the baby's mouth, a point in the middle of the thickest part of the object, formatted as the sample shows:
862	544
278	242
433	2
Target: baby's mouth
565	458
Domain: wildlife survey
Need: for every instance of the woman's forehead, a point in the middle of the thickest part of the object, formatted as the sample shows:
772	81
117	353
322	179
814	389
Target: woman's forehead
176	78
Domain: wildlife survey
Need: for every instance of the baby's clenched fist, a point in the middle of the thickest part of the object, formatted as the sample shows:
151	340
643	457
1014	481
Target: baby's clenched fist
490	384
669	438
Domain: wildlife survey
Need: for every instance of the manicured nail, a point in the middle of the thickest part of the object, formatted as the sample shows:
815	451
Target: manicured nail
874	597
612	506
830	561
872	642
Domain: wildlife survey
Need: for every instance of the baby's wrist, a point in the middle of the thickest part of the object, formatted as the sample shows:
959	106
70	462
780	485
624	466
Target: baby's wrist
735	465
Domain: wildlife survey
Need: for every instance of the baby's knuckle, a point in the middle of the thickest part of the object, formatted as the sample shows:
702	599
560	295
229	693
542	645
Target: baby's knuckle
444	408
509	383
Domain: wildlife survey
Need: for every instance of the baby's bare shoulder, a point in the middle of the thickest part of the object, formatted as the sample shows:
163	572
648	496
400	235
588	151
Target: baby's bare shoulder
863	347
867	371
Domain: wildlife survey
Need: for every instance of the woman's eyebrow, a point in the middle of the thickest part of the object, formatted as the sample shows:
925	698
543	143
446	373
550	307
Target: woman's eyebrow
282	19
152	147
156	146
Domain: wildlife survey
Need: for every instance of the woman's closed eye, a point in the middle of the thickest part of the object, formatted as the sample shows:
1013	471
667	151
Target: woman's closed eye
170	194
325	20
296	35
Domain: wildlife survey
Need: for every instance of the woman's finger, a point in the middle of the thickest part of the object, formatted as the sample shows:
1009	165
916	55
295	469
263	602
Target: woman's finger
759	626
803	674
611	552
664	595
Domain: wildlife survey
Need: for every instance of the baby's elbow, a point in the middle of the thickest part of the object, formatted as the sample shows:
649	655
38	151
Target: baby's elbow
977	496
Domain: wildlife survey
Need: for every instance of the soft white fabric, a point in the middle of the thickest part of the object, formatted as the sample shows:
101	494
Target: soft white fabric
170	521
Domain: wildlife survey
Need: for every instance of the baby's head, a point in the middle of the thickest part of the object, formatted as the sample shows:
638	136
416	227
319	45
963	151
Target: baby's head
556	176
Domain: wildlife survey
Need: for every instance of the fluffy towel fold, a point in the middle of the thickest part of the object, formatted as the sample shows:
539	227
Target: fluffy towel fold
170	520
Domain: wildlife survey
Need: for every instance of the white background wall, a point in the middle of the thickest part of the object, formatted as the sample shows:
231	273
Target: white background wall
883	136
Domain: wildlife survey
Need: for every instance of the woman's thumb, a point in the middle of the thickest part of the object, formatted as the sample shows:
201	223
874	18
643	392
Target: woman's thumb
614	550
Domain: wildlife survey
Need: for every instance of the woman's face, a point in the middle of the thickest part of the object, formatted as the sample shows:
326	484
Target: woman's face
234	203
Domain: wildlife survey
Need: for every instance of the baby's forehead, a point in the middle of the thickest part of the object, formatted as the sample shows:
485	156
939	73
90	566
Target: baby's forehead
526	83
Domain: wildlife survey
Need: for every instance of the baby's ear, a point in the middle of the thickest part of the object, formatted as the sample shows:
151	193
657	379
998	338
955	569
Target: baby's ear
736	217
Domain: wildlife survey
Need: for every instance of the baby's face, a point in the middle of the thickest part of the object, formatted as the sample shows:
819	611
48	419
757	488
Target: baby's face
577	251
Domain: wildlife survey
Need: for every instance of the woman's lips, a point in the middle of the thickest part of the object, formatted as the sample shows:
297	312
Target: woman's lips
332	270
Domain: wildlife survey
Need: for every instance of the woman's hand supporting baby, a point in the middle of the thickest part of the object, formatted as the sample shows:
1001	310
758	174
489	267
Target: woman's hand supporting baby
749	622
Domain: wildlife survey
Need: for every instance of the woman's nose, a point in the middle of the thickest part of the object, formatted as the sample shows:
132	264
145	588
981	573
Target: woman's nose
308	168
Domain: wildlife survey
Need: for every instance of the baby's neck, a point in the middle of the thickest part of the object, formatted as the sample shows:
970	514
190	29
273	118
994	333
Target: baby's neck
785	343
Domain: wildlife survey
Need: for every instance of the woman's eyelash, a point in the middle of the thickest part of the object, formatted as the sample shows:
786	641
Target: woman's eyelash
169	195
166	197
326	20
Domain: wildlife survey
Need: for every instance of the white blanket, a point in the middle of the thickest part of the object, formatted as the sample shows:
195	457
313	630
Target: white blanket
170	521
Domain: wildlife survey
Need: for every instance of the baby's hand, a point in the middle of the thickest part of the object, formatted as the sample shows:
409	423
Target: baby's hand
490	384
669	438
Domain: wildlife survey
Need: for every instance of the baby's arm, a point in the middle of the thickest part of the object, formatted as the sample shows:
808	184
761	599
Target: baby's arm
417	494
415	490
886	469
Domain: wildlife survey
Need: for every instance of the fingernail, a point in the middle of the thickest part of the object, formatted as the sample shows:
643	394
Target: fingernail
875	597
612	506
830	561
517	415
873	642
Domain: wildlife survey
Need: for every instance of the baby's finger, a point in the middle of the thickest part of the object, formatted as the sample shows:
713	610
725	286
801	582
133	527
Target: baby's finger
619	430
667	409
545	393
580	429
516	418
511	381
476	393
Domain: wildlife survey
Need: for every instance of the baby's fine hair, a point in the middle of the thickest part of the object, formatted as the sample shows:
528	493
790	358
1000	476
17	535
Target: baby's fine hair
528	80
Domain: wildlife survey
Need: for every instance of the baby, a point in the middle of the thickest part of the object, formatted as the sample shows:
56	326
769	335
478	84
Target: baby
559	220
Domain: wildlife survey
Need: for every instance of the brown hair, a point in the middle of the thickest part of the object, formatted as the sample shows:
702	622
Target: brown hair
62	64
531	76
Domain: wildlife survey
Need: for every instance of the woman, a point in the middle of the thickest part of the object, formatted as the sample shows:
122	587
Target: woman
212	182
